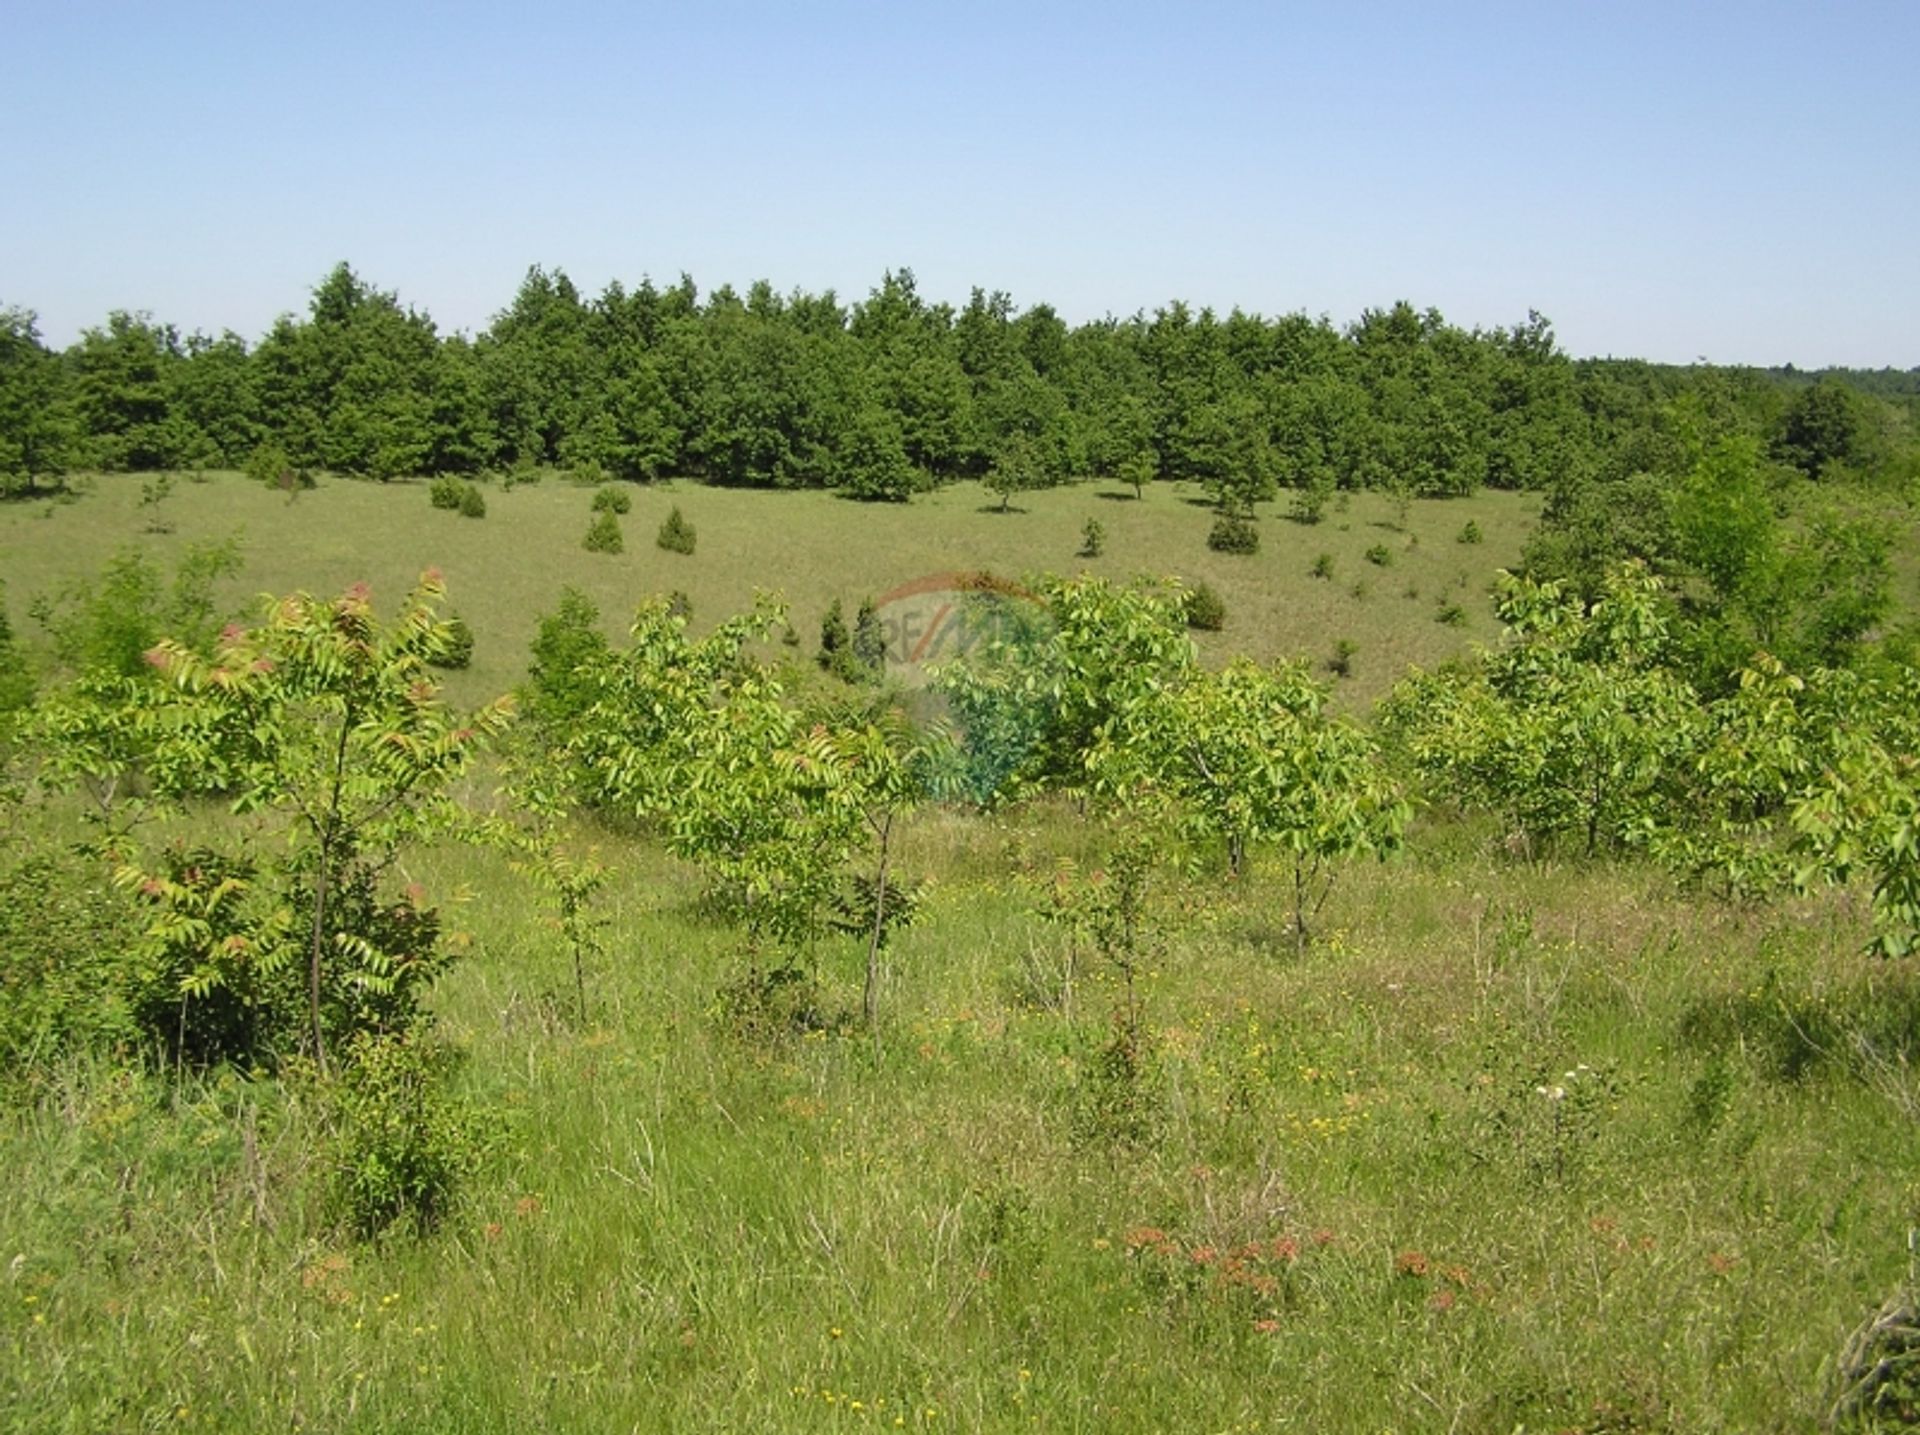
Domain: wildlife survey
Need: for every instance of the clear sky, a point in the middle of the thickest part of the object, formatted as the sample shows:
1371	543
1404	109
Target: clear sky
1739	181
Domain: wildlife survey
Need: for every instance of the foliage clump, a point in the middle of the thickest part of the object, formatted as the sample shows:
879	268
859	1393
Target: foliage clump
456	651
676	535
1206	609
1234	532
402	1144
603	535
610	499
567	648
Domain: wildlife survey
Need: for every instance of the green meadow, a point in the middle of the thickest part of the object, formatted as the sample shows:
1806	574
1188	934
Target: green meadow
505	570
1512	1145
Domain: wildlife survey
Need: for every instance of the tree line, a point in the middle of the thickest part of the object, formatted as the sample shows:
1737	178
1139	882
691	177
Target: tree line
895	394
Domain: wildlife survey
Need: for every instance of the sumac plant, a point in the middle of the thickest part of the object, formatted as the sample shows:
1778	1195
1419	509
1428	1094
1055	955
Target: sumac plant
327	725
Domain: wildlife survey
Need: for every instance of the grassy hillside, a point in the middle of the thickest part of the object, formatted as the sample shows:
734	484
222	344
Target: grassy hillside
1511	1145
506	569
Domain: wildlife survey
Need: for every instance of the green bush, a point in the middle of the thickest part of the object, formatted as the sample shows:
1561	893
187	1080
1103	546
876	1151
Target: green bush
603	535
1309	502
1323	566
1234	533
458	649
1206	610
679	605
402	1144
106	624
569	641
220	972
676	534
1380	556
64	963
269	465
447	492
1471	533
1093	539
16	678
836	645
1341	663
472	503
612	500
1450	614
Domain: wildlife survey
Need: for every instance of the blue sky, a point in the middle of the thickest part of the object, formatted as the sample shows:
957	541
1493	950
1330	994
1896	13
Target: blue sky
1733	181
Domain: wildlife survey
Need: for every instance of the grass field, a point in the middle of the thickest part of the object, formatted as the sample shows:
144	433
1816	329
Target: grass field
506	569
1511	1147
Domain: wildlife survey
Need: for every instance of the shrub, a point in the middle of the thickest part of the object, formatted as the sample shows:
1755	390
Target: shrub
473	503
836	645
220	971
447	492
603	535
63	963
270	465
559	689
612	500
1234	533
1449	613
402	1143
1323	566
108	623
679	605
1471	533
16	678
869	640
1380	556
456	649
1205	609
589	472
1341	663
676	534
1093	539
1309	502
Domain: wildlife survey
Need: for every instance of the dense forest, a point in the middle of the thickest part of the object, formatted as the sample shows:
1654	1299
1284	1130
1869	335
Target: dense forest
895	394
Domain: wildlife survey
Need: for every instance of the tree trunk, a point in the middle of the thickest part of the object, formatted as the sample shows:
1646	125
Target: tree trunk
870	999
313	964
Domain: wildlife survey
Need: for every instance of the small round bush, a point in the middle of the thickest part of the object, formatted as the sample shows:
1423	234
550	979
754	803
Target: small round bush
1380	556
447	492
603	535
457	650
1471	533
1323	566
612	500
1093	539
1206	610
472	503
676	534
1234	533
